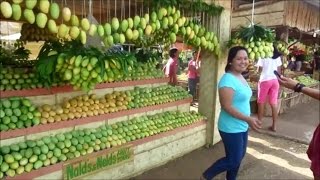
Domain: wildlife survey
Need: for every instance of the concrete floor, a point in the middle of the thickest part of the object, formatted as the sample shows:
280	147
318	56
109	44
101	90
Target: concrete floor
279	155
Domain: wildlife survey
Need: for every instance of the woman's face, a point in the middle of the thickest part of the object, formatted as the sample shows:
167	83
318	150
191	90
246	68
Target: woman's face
240	62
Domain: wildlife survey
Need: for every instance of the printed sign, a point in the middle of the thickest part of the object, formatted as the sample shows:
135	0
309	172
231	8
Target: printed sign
88	164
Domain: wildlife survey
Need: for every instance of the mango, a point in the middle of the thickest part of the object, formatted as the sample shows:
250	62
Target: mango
115	24
85	24
92	30
74	20
135	34
148	30
74	32
110	40
63	30
44	6
100	30
41	20
29	16
52	26
124	25
143	23
66	14
16	12
83	37
130	23
17	1
122	38
136	21
6	9
129	34
54	10
107	29
30	4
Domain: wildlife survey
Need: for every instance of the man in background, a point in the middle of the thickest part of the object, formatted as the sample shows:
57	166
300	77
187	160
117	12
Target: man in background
193	71
171	68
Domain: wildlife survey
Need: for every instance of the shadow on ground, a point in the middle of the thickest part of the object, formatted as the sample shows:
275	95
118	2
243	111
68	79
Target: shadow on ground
267	158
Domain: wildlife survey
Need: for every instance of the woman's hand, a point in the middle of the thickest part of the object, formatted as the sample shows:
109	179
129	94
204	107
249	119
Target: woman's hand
254	123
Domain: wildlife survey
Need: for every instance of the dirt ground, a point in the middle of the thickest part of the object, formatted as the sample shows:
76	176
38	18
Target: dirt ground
267	157
280	155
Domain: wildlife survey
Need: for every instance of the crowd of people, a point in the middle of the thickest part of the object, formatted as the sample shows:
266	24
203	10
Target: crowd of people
235	117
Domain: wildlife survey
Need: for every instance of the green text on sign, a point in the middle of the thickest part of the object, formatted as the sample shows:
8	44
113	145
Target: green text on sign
88	164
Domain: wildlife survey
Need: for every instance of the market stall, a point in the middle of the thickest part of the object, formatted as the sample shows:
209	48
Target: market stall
85	108
295	29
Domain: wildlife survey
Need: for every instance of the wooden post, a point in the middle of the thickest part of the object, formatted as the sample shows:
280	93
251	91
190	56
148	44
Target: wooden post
283	34
210	72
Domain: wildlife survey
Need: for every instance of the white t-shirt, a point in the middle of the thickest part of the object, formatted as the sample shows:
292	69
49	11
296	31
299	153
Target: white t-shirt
268	66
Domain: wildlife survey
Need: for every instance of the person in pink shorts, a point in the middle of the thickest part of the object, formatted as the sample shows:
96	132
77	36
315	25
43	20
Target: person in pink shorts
268	86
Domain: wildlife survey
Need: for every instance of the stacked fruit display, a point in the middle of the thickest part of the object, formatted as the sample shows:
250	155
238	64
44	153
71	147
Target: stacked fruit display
84	67
161	26
20	78
91	105
30	155
257	39
31	32
306	80
256	49
18	113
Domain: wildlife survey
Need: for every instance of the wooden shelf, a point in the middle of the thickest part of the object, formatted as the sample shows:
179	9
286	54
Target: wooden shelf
68	88
71	123
57	167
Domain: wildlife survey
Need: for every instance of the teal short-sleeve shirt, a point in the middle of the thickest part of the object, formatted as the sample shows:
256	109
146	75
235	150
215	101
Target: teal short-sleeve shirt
240	101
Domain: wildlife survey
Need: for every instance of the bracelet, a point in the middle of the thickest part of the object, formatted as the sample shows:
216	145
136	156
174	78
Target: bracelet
298	87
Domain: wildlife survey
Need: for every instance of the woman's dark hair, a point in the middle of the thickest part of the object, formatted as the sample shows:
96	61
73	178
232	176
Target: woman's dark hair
172	52
232	54
276	53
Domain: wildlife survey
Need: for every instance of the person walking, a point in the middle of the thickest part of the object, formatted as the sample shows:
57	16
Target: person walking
234	118
314	146
171	68
193	75
268	85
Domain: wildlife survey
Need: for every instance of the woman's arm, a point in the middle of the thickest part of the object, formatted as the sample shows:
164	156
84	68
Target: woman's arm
226	95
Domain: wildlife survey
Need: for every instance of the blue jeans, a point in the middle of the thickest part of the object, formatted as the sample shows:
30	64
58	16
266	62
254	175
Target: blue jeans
235	145
192	85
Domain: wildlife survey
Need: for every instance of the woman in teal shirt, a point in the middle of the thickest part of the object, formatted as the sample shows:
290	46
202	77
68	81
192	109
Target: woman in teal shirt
234	119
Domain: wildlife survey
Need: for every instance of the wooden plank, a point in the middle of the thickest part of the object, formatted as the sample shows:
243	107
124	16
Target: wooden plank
307	20
268	19
275	7
302	15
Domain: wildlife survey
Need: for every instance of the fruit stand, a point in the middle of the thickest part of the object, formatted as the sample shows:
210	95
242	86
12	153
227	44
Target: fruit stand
98	112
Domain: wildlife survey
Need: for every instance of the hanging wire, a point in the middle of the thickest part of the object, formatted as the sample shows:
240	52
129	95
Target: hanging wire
252	13
135	6
129	8
101	5
108	10
148	7
90	7
85	9
82	9
73	7
122	10
115	8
